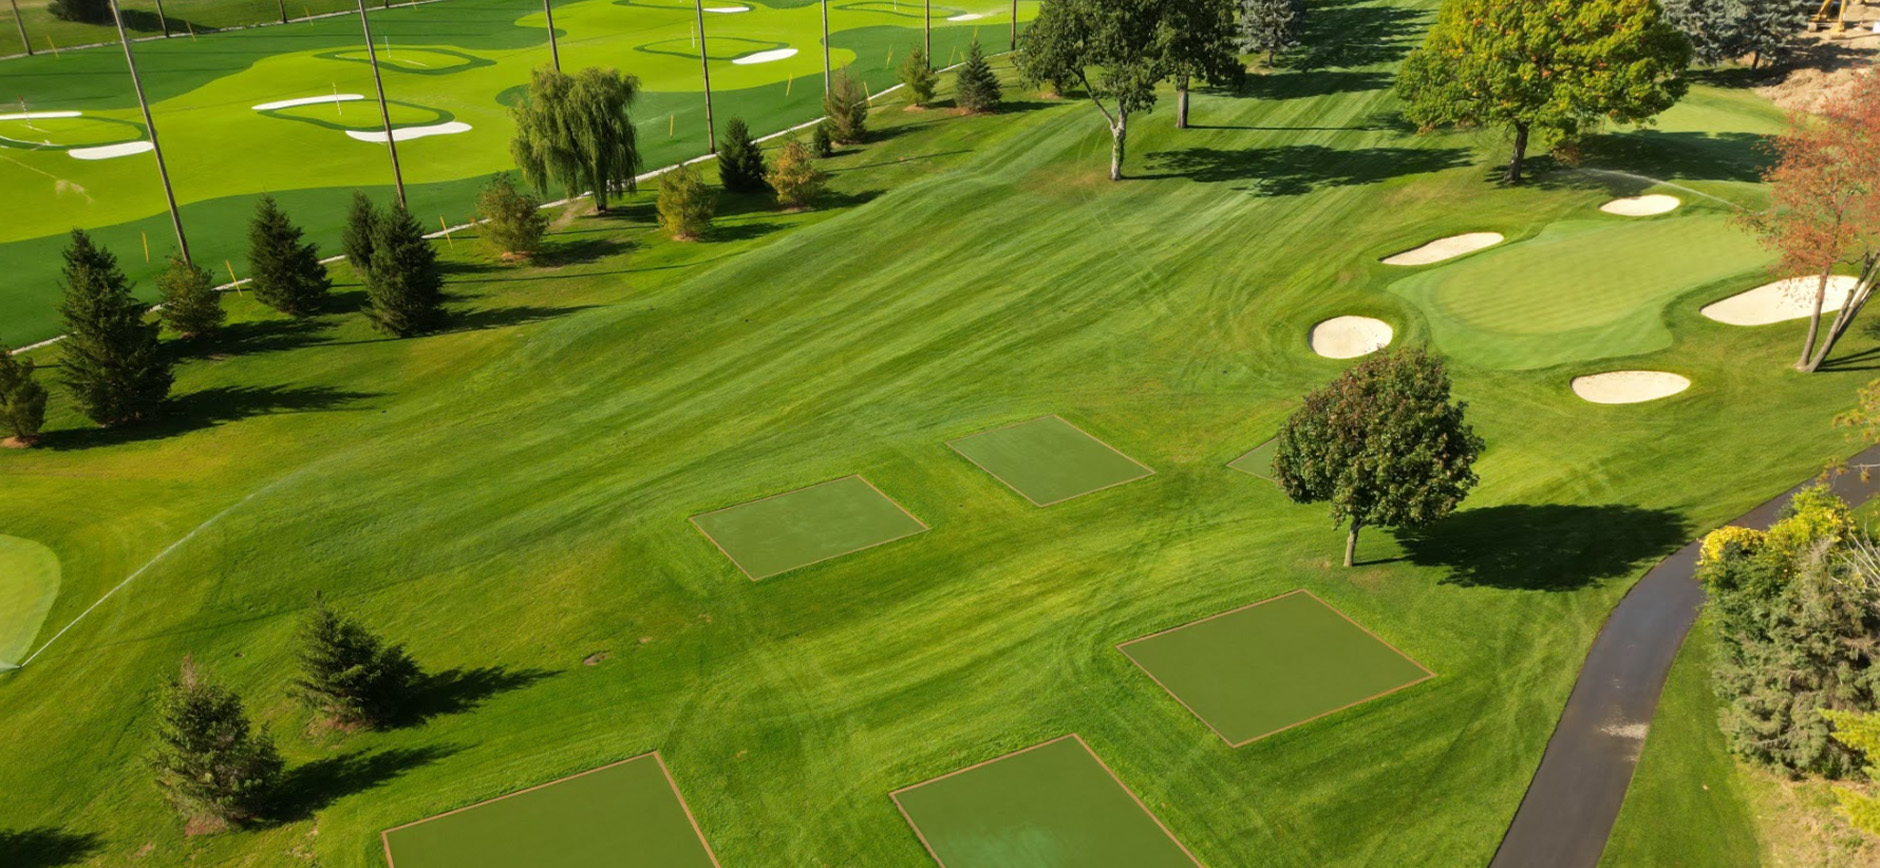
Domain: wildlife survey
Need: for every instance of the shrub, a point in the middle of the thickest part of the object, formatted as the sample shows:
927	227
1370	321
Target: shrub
685	204
348	674
22	399
977	88
288	275
845	109
514	222
191	305
918	77
210	763
821	142
795	177
740	160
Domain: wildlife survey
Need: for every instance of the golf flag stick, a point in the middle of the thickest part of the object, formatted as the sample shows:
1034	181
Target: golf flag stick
163	171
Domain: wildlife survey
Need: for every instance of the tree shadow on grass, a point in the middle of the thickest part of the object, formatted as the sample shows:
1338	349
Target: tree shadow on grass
1859	360
145	21
1291	170
1544	547
207	408
1345	33
455	691
1726	156
478	319
1311	83
307	788
260	336
741	231
580	247
45	847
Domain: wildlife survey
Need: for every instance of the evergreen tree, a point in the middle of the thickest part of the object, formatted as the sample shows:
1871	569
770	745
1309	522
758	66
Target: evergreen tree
110	360
1270	27
348	674
975	86
215	769
1768	28
685	204
287	275
361	222
404	288
575	131
83	11
917	76
740	160
845	109
795	177
821	142
191	305
514	222
1714	27
22	399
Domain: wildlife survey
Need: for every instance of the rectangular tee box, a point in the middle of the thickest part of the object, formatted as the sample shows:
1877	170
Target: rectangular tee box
628	814
782	532
1052	805
1049	460
1270	666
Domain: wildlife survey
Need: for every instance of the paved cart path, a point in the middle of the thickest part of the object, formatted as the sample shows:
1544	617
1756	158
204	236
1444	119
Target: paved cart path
1570	806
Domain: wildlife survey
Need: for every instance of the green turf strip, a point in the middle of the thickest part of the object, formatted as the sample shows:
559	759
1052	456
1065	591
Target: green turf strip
1581	290
29	582
785	531
1049	460
1257	670
629	815
1051	806
1258	462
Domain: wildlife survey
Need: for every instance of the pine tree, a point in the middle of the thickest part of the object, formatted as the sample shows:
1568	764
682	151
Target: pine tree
215	769
513	220
917	76
1272	26
795	177
288	275
845	109
191	305
349	675
110	360
404	288
740	160
362	218
685	204
821	142
22	399
976	87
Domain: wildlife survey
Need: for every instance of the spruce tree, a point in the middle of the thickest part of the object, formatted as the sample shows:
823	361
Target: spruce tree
685	204
22	399
845	109
513	220
349	675
110	359
288	275
976	88
1271	26
821	142
404	288
361	220
212	765
1768	29
917	75
740	160
191	305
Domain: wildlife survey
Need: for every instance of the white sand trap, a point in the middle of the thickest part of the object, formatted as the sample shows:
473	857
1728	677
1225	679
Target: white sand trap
1789	299
969	16
405	134
33	116
1348	337
1445	248
765	56
1641	206
106	152
727	10
1629	387
308	100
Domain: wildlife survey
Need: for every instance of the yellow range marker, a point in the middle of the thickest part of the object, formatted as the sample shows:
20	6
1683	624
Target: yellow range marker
671	121
146	237
191	28
231	275
55	46
446	227
787	84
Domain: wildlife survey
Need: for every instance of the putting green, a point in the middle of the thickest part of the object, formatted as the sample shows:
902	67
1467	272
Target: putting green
1049	460
1273	665
1055	805
798	528
1259	461
29	582
628	814
1581	290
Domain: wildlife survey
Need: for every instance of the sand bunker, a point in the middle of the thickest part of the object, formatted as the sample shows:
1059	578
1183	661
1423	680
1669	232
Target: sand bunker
1789	299
1629	387
1445	248
1348	337
308	100
765	56
969	16
106	152
33	116
1641	206
402	134
727	10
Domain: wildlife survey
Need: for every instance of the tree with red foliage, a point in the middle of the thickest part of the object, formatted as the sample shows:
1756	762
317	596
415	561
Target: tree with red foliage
1824	192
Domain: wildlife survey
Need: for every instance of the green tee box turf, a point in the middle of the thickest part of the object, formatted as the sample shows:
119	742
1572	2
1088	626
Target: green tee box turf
1049	460
795	529
1272	665
628	814
1053	805
1259	461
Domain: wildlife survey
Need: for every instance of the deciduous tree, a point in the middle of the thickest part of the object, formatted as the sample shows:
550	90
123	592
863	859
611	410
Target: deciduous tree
1546	67
287	274
685	204
191	305
975	86
513	221
1114	49
404	288
577	131
22	399
1201	43
110	359
1382	443
211	763
348	674
795	177
740	160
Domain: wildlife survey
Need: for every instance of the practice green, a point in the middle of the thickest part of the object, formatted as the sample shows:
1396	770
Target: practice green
1051	806
29	582
1257	670
785	531
629	815
1049	460
1581	290
1258	462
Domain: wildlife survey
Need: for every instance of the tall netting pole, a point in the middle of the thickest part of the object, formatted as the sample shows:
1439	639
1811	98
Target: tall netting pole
28	43
163	20
705	67
385	114
1014	25
926	26
150	126
554	50
825	11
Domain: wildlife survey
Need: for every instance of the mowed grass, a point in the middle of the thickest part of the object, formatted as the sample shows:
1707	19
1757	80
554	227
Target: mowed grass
1258	461
810	525
1054	805
511	499
29	582
625	814
1048	460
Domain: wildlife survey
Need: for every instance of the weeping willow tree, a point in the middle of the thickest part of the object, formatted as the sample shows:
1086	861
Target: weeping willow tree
575	131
